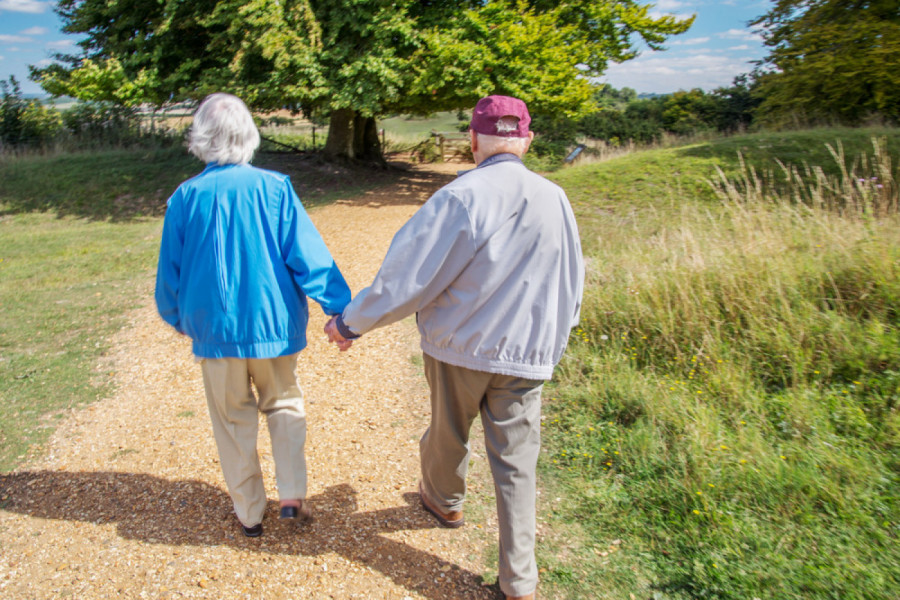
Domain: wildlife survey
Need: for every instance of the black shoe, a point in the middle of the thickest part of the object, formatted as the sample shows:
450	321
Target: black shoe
254	531
292	513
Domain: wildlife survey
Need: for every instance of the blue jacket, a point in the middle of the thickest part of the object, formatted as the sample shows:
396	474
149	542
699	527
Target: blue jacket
239	255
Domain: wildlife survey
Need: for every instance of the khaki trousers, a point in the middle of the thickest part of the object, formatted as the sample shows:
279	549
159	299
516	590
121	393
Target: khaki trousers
235	422
510	409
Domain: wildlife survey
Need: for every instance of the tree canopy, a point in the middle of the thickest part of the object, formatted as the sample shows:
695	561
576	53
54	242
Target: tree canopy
351	59
830	60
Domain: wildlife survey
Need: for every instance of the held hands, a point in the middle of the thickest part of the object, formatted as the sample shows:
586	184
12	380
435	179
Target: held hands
335	336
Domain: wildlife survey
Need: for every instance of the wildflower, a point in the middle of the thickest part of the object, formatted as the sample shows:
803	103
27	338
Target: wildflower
783	457
604	337
743	461
711	485
696	512
723	447
699	493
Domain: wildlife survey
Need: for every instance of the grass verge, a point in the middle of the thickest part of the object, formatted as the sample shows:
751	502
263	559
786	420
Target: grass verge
726	423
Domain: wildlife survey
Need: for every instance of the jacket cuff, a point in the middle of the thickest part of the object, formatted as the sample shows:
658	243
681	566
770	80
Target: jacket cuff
344	330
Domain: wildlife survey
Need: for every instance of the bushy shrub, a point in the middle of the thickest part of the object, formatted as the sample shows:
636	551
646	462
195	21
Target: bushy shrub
102	122
23	122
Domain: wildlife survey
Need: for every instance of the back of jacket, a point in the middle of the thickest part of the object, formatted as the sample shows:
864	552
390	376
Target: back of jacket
492	264
238	258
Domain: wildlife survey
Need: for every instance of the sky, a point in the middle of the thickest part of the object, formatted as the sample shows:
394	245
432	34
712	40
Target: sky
716	49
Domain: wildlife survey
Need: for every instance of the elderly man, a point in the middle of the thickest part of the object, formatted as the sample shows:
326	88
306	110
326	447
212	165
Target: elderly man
492	267
238	258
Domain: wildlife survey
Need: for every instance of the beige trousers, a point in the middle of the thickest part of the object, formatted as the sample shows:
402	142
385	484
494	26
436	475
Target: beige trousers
235	422
510	409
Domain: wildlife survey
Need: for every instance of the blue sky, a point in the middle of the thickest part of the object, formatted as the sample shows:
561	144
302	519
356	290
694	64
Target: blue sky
718	47
711	54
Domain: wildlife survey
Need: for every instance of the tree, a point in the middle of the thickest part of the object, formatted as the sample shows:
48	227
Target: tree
830	60
353	59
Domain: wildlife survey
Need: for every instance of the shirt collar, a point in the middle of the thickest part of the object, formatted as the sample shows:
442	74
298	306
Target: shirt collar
492	160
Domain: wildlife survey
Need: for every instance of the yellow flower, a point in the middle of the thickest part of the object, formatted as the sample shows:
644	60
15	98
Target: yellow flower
696	512
699	493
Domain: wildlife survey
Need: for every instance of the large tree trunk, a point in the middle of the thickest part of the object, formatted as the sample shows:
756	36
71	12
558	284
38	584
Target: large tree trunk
340	135
353	136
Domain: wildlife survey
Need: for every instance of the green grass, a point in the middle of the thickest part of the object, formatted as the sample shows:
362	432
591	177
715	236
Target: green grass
726	423
80	236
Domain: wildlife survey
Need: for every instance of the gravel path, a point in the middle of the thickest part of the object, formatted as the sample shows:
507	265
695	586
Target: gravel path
128	500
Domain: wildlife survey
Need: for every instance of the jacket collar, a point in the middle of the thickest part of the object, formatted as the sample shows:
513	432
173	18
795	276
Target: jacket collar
493	160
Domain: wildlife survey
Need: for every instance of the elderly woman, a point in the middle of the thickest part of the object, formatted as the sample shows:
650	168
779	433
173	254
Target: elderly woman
238	258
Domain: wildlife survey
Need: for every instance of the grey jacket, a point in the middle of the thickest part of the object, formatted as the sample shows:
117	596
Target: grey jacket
492	264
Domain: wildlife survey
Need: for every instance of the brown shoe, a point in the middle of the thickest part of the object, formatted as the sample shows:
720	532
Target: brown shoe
451	519
525	597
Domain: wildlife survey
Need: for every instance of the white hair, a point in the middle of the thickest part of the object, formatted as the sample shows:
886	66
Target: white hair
494	144
223	131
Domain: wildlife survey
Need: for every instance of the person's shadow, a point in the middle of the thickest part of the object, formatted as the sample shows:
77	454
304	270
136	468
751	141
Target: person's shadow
156	510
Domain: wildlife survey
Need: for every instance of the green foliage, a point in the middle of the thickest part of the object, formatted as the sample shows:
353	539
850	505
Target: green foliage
368	57
725	421
24	122
622	118
830	61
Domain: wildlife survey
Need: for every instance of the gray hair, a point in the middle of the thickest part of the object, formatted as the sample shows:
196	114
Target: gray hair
223	131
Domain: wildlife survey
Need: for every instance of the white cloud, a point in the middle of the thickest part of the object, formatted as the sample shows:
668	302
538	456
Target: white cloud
35	31
44	62
13	39
741	34
691	42
664	75
668	5
741	47
25	6
60	44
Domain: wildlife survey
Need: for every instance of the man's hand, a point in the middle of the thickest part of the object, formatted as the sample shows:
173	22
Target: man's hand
335	336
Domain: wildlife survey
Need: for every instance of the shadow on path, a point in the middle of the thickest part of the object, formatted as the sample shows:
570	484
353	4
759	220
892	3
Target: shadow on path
155	510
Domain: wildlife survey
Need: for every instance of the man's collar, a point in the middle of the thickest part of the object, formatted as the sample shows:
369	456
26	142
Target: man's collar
492	160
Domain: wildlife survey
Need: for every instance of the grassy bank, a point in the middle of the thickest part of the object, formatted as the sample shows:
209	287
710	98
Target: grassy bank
725	423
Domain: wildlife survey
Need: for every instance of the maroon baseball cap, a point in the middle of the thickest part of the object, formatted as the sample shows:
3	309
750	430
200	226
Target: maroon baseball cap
491	109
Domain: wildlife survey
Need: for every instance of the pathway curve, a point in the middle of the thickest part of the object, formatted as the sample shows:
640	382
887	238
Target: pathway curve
128	500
